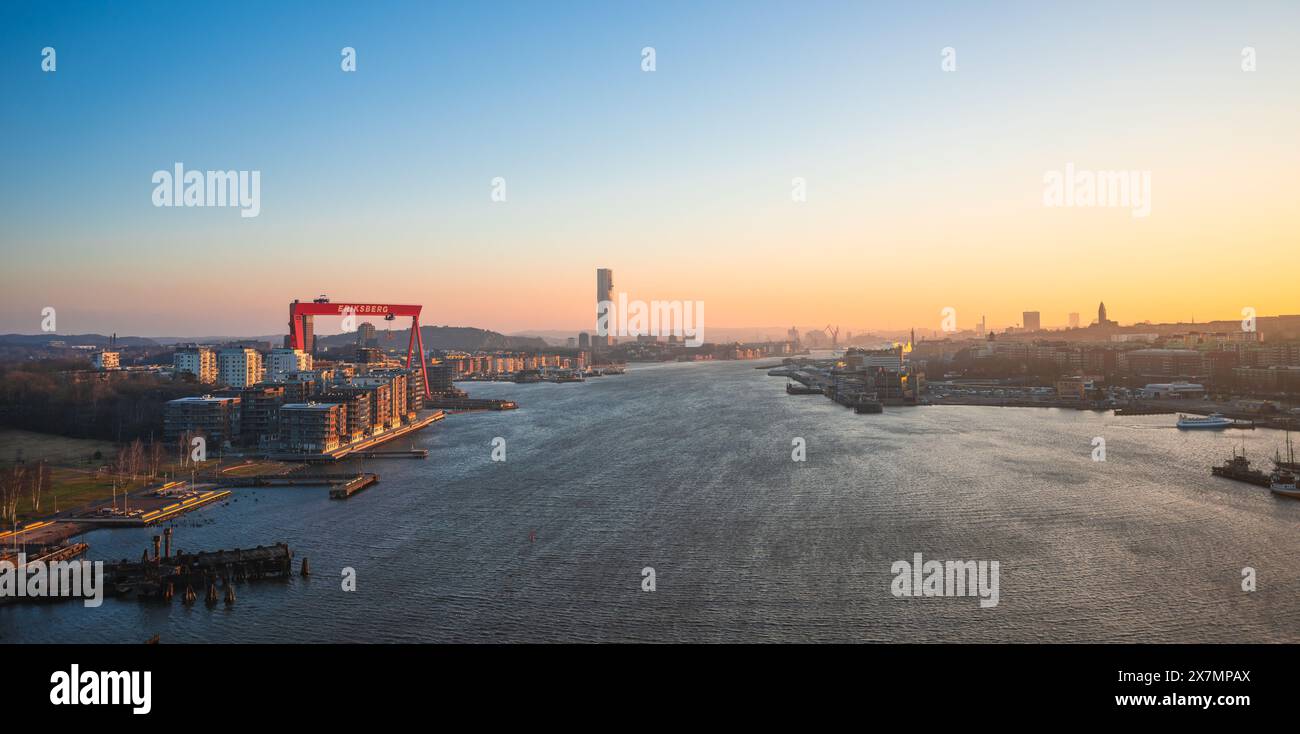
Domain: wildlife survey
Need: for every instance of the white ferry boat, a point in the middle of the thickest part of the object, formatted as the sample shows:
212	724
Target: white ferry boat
1212	421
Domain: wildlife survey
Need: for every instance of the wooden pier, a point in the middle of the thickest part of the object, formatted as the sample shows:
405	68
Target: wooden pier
162	576
346	490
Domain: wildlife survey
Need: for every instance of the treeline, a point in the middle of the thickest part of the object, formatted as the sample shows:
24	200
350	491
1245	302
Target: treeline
37	397
18	481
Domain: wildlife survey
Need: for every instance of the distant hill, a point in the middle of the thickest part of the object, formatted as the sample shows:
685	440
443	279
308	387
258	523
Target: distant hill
460	338
72	340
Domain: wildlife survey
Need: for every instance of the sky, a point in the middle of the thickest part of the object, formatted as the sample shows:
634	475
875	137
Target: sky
924	187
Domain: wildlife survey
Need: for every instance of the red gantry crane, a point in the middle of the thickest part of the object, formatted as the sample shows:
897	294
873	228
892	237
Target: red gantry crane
322	307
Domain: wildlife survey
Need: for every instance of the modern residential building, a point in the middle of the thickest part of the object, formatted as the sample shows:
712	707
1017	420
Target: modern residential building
1032	321
259	414
214	418
107	360
300	387
358	419
1074	320
240	367
283	362
312	427
198	361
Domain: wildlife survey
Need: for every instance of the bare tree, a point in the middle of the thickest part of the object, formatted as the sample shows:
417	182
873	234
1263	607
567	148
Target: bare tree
155	458
37	484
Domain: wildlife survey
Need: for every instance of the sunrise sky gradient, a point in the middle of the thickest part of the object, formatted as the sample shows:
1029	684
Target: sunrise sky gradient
924	187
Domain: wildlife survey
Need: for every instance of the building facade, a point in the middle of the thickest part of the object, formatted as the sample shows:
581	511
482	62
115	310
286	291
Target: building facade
283	362
214	418
198	361
240	367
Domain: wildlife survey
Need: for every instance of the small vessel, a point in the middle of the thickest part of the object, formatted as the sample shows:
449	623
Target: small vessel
867	405
1284	484
1211	421
793	389
1238	468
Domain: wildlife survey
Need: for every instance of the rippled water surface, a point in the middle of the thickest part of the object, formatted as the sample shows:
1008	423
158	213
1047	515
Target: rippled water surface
686	468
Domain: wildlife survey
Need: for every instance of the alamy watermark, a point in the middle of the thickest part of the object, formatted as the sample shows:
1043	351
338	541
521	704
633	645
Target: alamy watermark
683	319
946	578
1084	188
180	187
41	580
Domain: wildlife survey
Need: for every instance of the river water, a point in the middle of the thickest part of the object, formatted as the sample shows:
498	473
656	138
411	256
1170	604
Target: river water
687	469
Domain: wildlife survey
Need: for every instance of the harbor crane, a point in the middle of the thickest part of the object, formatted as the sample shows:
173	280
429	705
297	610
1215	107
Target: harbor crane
300	312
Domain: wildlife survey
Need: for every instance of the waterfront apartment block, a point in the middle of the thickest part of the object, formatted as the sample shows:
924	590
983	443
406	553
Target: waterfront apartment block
214	418
239	367
460	364
259	414
312	427
359	418
395	382
198	361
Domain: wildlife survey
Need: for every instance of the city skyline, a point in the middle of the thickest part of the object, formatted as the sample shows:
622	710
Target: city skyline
923	188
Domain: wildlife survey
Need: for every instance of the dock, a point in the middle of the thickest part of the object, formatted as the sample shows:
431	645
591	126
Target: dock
347	489
161	576
341	486
153	512
411	454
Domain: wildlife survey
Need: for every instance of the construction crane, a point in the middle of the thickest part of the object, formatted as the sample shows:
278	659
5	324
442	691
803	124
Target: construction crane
834	335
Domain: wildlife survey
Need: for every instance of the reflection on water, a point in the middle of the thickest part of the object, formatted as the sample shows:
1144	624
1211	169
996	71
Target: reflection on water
686	468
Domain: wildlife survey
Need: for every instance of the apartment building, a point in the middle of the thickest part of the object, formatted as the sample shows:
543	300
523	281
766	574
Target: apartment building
198	361
239	367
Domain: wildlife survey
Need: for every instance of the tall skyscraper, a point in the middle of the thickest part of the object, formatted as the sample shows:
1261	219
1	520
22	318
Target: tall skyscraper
604	293
1032	321
1074	320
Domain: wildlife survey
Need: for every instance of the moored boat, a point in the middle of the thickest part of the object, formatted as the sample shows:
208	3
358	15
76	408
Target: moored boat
1211	421
1284	484
1239	468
